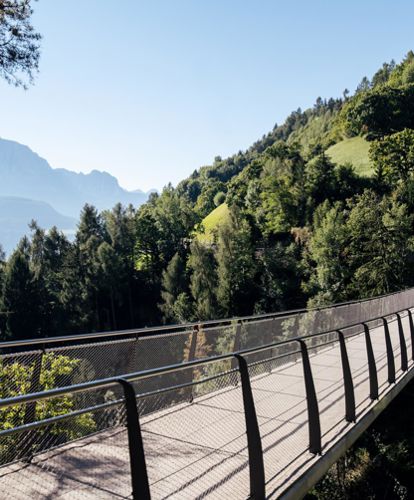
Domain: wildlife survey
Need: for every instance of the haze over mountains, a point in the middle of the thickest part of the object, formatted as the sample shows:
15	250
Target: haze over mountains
31	189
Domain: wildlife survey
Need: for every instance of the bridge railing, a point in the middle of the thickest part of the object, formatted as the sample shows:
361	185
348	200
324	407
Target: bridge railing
68	419
38	364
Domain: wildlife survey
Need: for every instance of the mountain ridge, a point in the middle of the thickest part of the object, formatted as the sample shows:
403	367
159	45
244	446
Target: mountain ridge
25	174
16	214
31	189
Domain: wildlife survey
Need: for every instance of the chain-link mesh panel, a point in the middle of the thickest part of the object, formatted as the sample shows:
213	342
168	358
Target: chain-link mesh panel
79	453
199	448
327	371
280	401
101	359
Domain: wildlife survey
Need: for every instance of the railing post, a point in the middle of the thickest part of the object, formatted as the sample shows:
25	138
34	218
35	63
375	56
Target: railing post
132	355
348	382
403	346
191	357
410	319
373	377
236	343
390	353
315	444
254	442
139	475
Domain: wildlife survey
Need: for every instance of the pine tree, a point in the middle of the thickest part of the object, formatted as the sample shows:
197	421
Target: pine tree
116	256
174	283
19	43
326	257
203	282
91	233
236	268
21	298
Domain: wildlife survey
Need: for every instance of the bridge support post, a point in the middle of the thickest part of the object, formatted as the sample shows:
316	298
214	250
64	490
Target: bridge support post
139	476
315	444
254	442
390	353
348	382
403	346
410	319
373	377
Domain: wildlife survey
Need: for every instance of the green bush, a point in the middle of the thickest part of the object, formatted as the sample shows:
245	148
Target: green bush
16	379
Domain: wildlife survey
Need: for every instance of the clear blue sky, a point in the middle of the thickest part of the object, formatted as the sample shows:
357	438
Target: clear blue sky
151	90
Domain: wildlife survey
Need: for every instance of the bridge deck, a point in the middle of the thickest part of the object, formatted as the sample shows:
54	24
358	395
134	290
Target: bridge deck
198	449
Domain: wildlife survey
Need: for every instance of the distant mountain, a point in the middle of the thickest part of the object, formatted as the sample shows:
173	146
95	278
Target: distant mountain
25	174
31	189
16	214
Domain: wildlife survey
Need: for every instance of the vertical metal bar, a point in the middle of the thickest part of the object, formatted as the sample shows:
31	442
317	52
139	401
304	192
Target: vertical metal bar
139	475
236	343
132	355
254	442
390	353
403	345
193	344
315	444
373	377
410	319
348	382
191	356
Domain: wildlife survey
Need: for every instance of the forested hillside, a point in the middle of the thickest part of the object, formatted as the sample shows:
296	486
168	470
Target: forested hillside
292	228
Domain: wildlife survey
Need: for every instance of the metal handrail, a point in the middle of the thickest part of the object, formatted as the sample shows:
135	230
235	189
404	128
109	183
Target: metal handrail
148	331
163	370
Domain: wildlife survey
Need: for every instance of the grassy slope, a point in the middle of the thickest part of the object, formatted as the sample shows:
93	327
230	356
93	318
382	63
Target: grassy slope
212	221
354	151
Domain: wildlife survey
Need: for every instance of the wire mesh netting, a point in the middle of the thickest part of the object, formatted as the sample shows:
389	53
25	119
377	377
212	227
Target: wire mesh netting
59	365
280	399
192	418
194	448
199	449
65	451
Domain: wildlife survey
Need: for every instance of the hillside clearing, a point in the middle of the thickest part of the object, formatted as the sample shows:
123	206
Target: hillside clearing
212	221
354	151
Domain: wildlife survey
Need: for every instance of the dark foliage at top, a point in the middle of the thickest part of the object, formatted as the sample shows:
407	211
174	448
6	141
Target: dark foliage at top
19	42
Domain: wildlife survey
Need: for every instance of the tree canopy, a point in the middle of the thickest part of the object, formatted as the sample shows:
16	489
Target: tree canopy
19	42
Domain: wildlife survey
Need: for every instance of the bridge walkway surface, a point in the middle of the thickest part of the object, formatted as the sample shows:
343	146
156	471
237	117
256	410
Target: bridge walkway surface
199	448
